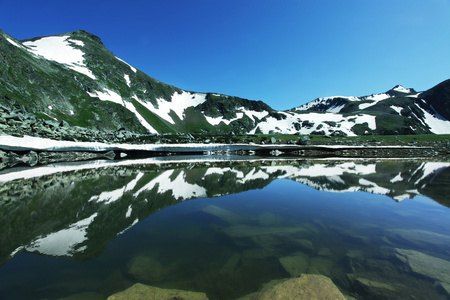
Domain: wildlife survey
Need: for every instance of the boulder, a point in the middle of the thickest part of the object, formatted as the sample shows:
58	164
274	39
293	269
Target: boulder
304	140
306	286
144	292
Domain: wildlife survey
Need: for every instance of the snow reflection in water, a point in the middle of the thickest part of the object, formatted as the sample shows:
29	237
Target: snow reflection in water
101	228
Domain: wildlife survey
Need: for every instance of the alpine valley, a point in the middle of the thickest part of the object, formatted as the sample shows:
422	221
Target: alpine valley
72	80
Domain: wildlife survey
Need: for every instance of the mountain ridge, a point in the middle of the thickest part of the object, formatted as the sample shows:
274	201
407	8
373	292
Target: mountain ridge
72	77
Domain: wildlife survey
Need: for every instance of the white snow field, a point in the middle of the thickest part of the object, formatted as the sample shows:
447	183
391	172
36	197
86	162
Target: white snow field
61	50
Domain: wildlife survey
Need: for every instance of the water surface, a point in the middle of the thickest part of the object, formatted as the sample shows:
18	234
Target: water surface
91	230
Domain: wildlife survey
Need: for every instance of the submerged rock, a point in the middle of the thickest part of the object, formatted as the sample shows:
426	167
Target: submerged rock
304	244
320	265
421	238
84	296
146	269
423	264
230	266
144	292
223	214
445	287
239	231
375	288
295	265
304	287
324	252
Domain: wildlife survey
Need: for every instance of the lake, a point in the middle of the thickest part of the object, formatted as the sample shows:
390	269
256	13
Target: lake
227	227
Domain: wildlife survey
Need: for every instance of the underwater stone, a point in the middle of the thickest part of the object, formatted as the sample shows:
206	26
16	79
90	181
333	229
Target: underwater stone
320	265
146	269
251	231
304	244
424	264
375	288
324	252
249	255
295	265
84	296
306	286
145	292
223	214
422	238
444	286
230	266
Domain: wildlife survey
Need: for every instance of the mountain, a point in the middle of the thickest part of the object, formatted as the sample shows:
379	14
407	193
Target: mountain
73	78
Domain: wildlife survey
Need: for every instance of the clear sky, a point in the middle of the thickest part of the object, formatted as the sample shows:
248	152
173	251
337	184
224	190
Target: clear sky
284	52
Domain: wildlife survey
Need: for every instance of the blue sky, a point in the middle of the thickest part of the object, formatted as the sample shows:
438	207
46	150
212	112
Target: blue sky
284	52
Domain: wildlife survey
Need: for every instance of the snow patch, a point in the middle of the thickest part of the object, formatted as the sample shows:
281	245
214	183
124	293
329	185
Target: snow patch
218	120
127	79
287	125
401	89
178	104
377	97
326	101
129	210
131	67
335	109
61	50
141	119
14	43
108	95
398	109
436	123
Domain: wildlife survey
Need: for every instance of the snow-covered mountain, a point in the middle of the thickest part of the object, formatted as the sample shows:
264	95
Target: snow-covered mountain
72	77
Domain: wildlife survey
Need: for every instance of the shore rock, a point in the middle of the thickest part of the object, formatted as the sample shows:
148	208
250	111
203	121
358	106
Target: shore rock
144	292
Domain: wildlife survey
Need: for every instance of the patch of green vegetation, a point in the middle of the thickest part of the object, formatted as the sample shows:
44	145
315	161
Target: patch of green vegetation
195	122
390	124
361	129
157	123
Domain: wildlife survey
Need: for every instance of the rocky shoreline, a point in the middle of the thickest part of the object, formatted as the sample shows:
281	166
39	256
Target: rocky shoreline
18	122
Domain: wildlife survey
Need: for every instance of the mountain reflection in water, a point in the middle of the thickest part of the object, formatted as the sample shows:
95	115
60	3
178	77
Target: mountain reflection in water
89	227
